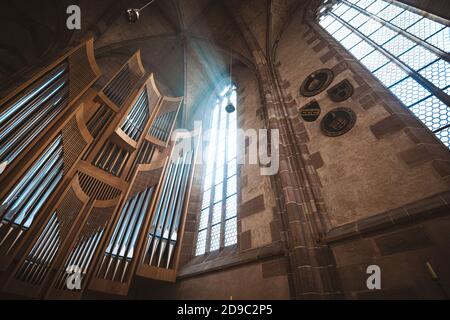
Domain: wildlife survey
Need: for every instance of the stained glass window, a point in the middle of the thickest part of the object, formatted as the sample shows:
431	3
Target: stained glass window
218	222
407	51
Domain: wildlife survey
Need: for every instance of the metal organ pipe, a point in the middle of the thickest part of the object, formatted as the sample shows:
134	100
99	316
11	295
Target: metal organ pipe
162	235
120	249
27	117
119	89
162	126
23	203
38	261
161	208
80	257
137	118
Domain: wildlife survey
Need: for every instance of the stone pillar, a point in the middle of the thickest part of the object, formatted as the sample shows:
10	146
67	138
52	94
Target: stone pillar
303	217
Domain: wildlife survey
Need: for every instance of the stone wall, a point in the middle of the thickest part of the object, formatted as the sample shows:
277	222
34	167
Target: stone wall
385	183
387	160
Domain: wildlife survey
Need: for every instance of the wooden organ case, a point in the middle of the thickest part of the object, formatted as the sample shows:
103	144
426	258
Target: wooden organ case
94	190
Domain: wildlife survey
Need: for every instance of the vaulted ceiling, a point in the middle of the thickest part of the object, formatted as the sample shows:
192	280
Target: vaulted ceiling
174	36
188	43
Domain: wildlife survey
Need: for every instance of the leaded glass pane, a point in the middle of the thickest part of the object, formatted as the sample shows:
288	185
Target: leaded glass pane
398	45
201	243
206	198
361	50
438	73
374	60
340	9
390	74
364	3
359	20
350	41
204	217
231	207
215	238
409	91
441	40
444	136
230	232
326	21
341	33
220	157
350	14
425	28
218	192
390	12
418	57
433	112
406	19
332	28
231	186
217	213
382	35
369	27
208	181
377	6
219	175
232	168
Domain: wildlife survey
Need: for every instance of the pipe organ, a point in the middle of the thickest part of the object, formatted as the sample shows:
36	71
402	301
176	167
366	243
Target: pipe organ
94	191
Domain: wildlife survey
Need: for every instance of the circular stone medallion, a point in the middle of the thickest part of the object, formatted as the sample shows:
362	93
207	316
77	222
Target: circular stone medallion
338	122
310	112
316	82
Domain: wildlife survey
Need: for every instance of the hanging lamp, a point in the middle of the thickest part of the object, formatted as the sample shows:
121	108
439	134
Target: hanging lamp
230	108
133	14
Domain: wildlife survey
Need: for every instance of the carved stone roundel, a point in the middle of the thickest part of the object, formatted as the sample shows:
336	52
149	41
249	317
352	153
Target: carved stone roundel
310	112
341	92
316	82
338	122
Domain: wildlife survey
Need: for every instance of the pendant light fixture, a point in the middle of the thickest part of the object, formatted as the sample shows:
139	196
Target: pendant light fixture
133	14
230	108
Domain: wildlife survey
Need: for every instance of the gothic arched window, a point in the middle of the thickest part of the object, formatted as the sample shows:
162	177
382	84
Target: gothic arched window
218	221
406	51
